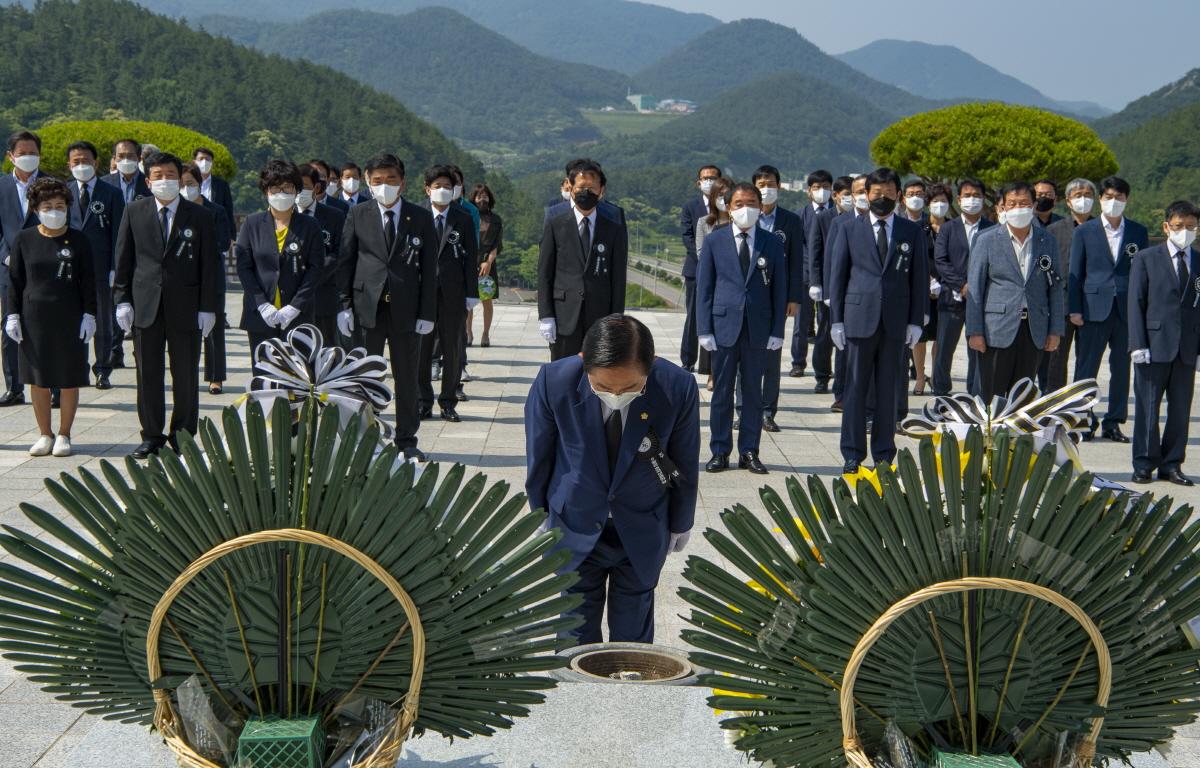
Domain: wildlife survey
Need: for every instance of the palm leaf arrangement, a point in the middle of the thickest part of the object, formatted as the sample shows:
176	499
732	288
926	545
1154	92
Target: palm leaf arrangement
288	630
989	674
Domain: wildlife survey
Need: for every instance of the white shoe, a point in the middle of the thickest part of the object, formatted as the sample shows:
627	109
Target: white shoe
62	446
42	446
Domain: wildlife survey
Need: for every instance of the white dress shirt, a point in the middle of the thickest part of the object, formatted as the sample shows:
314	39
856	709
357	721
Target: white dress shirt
749	240
1114	236
172	208
1021	251
206	188
21	187
889	222
970	230
1176	255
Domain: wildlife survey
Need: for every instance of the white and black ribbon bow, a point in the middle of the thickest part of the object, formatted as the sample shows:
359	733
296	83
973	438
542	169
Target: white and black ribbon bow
650	450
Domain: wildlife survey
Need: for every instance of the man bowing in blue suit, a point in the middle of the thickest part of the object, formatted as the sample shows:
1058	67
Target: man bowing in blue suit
612	441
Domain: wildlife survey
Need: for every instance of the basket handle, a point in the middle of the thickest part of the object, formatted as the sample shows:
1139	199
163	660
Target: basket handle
1087	749
165	719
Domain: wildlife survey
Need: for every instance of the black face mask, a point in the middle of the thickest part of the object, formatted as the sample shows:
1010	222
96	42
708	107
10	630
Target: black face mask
1044	204
483	205
586	199
883	206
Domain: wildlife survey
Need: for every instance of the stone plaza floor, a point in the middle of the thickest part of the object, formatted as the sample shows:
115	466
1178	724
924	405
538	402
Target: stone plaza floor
37	731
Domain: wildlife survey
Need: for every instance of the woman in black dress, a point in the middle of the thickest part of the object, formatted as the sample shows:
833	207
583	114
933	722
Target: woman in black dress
491	241
214	343
939	213
52	311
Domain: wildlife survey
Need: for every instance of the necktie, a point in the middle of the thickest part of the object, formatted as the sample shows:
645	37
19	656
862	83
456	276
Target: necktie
612	437
585	236
744	252
1182	271
84	198
389	230
163	214
881	241
441	227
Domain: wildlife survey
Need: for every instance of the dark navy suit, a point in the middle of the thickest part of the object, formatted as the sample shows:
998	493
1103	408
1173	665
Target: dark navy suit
1164	317
694	210
818	248
610	211
11	224
332	221
742	311
99	222
136	190
822	352
335	201
790	231
951	252
616	524
1099	290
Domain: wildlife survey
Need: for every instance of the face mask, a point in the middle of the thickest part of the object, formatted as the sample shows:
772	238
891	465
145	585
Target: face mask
440	196
282	201
350	186
385	193
915	203
165	189
83	173
882	206
970	205
1002	217
53	219
191	193
586	200
706	186
1112	207
745	218
1044	204
27	163
205	165
1019	218
1183	238
939	209
820	196
566	195
483	204
861	202
305	199
1082	205
846	202
457	194
616	402
721	206
769	195
127	166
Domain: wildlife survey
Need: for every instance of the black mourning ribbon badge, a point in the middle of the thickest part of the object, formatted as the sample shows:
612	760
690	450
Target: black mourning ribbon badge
1046	265
651	450
65	271
762	270
1196	291
293	251
185	242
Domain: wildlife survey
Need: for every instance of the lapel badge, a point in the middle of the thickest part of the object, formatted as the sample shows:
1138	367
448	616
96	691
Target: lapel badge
600	248
453	237
645	416
781	235
416	241
187	233
293	248
1131	249
905	247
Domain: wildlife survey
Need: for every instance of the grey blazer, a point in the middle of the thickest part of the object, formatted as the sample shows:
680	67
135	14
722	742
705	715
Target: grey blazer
998	288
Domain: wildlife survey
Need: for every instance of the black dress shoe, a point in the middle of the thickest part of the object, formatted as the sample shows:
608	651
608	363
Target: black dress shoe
822	388
1175	476
769	424
12	397
1142	476
449	414
1088	436
147	449
461	395
102	382
850	467
1115	434
837	406
749	460
717	464
425	413
414	453
796	372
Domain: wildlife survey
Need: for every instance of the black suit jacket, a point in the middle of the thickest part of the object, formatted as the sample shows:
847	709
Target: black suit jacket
816	243
140	187
99	223
333	201
332	221
223	196
408	273
296	272
790	232
693	210
180	278
574	287
610	211
950	254
458	259
1162	317
11	222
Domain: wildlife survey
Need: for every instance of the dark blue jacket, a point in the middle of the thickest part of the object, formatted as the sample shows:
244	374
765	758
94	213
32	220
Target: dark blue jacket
950	252
99	224
296	272
866	292
790	231
693	210
1098	285
725	298
1163	318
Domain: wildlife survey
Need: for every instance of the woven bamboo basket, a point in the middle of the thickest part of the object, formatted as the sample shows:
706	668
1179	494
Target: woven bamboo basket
165	718
1085	752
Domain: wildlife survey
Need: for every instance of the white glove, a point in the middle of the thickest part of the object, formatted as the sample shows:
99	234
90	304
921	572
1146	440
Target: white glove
679	541
935	288
205	321
837	334
12	326
957	296
472	302
345	321
269	314
913	337
125	316
87	327
424	327
1140	356
709	343
815	293
286	315
548	327
825	302
774	343
112	278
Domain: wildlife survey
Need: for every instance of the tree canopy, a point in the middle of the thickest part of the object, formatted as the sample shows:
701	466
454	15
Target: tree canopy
175	139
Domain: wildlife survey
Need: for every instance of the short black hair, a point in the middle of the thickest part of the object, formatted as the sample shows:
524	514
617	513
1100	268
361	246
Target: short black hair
435	172
204	151
971	181
843	183
618	340
704	168
585	165
915	183
193	170
745	186
137	146
385	160
349	167
766	172
276	173
881	176
309	171
458	174
82	146
1051	182
1016	187
819	177
1114	183
13	138
45	188
1181	208
163	158
484	188
321	165
939	190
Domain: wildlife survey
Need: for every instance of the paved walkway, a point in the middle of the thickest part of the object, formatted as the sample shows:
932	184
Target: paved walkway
37	731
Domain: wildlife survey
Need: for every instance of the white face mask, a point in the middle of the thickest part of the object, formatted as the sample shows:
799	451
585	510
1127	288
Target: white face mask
165	190
440	196
28	163
1082	205
769	195
1002	217
457	194
1112	207
191	193
385	193
53	219
706	186
720	203
282	201
350	186
745	217
1183	238
915	203
846	202
821	195
305	199
83	173
566	195
1019	217
939	209
205	165
127	166
616	401
861	202
970	205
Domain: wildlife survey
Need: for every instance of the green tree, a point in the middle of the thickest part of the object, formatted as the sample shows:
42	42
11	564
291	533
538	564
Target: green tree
995	143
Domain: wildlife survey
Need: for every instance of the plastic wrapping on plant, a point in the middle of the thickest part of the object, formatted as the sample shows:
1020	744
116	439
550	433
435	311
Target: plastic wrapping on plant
208	734
898	749
359	726
782	625
500	645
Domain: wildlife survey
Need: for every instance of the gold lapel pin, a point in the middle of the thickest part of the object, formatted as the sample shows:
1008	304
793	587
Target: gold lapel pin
645	416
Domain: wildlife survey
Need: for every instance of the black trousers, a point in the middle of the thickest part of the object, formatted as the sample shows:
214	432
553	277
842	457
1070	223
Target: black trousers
153	346
1002	367
8	347
404	346
875	360
1094	338
801	323
690	345
607	577
1052	373
105	323
1150	382
839	375
822	350
449	335
951	319
214	352
567	345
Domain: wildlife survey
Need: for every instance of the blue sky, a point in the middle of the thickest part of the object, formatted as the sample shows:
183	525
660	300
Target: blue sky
1067	49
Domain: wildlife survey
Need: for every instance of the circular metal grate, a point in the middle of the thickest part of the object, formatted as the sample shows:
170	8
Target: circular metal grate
631	666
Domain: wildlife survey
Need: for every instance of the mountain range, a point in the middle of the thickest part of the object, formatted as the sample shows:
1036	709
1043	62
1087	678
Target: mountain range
1180	93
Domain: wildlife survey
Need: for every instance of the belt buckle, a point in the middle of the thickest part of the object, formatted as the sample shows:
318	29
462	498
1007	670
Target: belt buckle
387	298
1024	314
